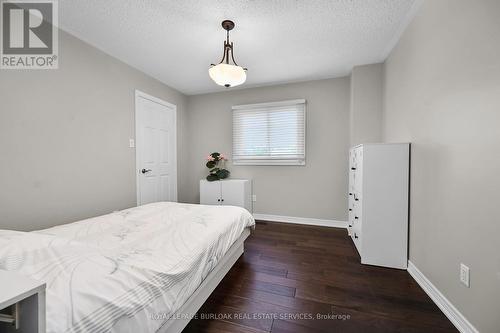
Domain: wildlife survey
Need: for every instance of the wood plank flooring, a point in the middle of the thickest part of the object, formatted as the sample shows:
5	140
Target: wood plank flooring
295	278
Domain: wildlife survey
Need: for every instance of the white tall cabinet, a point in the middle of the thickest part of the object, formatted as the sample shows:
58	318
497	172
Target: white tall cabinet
229	192
378	203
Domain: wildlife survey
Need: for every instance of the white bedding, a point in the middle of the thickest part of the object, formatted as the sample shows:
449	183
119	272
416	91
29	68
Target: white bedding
141	262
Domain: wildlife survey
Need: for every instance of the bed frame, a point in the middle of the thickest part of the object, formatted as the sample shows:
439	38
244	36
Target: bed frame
200	295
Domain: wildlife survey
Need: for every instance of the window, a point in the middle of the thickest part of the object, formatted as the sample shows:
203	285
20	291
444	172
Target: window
270	133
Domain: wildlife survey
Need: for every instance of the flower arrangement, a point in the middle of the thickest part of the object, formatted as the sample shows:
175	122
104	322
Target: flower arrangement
216	162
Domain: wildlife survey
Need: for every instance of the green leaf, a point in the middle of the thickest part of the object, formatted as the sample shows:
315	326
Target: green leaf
212	177
223	173
211	164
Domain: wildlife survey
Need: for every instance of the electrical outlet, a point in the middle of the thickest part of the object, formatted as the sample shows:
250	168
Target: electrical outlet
254	198
464	275
131	143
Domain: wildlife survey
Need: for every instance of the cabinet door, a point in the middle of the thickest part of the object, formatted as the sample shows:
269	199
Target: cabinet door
210	192
233	193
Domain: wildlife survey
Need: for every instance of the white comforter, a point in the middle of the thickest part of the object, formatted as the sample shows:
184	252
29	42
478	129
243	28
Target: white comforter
143	262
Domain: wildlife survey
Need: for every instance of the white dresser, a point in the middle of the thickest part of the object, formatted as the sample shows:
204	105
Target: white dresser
230	192
378	203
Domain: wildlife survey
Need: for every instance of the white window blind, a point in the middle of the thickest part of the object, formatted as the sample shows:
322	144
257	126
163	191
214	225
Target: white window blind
270	133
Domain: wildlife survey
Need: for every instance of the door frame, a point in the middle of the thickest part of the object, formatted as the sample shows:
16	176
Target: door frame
141	94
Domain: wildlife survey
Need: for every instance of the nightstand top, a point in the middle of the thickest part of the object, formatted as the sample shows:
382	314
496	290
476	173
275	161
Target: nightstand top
15	287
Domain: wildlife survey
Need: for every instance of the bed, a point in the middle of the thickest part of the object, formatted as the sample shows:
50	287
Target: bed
143	269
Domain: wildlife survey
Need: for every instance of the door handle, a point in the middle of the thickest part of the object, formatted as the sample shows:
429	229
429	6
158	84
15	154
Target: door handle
146	170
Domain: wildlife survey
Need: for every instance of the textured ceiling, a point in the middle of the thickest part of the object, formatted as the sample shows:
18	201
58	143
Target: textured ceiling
278	40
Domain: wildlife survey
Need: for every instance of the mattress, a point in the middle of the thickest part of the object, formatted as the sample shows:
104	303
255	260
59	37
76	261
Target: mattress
141	263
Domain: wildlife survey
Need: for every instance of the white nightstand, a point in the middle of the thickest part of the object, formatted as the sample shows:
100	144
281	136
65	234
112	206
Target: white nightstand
27	297
227	192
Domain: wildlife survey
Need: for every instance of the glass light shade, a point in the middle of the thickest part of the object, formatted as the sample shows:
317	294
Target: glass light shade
227	75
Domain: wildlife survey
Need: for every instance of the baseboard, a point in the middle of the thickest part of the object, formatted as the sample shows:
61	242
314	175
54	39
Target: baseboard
458	319
301	220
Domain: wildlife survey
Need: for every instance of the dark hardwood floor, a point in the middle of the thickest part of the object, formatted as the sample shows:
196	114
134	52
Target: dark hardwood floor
295	278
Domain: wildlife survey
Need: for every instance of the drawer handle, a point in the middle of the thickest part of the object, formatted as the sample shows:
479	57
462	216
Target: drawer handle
355	236
350	209
350	225
356	199
356	217
222	200
353	168
350	193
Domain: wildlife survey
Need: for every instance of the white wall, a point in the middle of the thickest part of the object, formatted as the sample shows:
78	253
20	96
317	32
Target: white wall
316	190
366	104
442	93
64	133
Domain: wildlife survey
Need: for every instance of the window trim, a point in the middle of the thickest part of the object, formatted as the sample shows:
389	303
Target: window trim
270	104
270	160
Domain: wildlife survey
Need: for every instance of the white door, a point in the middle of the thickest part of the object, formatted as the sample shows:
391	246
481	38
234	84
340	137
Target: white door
156	153
233	193
210	192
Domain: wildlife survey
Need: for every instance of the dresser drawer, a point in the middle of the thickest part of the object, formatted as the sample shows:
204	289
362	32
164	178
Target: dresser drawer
357	198
356	238
350	215
356	215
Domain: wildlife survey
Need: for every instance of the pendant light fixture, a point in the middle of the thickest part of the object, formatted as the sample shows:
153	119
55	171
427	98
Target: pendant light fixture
227	73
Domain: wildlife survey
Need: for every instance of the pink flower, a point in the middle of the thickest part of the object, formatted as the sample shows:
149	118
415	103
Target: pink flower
210	158
222	157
